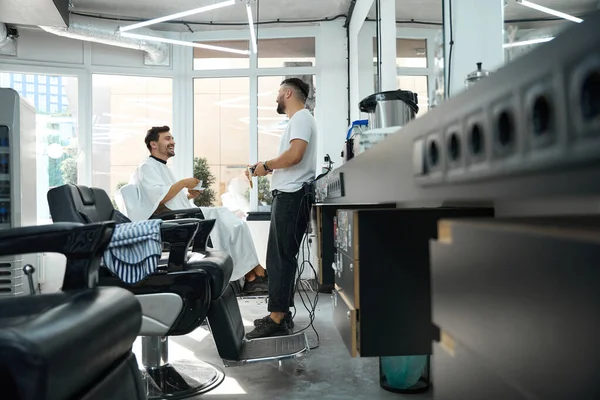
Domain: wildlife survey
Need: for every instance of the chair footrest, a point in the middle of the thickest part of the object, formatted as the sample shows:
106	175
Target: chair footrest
271	349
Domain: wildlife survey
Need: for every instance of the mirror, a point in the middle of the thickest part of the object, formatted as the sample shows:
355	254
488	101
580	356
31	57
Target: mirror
419	53
526	28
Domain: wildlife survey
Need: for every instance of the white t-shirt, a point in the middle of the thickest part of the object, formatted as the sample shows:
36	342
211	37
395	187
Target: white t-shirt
302	125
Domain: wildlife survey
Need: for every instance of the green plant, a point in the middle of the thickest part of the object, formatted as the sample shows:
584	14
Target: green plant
68	170
202	171
265	197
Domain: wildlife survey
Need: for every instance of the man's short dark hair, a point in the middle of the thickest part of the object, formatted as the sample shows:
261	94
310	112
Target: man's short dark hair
299	85
153	134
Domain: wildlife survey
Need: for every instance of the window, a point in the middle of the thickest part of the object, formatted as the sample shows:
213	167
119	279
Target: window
418	85
291	52
413	69
213	59
271	126
411	53
222	138
55	165
124	108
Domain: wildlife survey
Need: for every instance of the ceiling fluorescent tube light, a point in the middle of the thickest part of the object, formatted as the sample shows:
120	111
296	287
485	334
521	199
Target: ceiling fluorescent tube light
177	16
549	11
183	43
527	42
251	26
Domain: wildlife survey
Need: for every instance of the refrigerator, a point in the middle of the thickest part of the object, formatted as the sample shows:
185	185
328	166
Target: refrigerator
17	184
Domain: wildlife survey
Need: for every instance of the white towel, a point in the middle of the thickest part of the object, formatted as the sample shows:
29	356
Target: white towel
134	250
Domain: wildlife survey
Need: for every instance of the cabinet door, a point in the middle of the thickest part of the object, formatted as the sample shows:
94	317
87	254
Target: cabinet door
345	317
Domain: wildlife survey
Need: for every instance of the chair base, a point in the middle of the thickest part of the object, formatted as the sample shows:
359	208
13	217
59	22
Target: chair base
271	349
181	380
227	327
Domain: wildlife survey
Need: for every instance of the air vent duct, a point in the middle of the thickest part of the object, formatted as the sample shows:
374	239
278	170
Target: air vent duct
105	32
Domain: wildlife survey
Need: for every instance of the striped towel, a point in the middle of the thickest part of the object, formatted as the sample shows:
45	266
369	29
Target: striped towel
134	250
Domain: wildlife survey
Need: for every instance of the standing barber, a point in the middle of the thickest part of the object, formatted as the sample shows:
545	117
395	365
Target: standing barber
292	168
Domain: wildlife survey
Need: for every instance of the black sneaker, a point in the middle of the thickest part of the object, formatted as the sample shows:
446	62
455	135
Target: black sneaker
288	319
258	285
269	328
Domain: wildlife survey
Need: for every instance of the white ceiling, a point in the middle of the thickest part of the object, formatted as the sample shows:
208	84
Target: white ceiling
271	10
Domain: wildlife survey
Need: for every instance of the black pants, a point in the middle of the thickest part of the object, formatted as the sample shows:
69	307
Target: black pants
290	213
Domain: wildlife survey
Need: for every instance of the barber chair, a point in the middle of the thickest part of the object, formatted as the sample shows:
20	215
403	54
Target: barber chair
75	344
164	298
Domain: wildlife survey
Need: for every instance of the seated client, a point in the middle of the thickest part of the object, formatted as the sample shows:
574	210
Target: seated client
160	192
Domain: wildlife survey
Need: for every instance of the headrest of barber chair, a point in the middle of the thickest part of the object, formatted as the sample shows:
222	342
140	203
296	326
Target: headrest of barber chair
87	195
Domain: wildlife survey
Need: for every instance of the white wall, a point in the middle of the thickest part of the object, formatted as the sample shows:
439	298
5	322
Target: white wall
39	52
478	34
332	94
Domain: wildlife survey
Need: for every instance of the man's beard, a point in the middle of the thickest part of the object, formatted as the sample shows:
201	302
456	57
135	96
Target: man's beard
280	108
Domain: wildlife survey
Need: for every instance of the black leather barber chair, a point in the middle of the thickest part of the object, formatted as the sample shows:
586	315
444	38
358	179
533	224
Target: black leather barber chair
164	295
75	344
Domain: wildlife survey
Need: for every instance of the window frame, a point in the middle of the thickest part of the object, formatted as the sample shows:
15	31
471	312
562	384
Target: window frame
82	120
253	73
430	35
415	33
181	71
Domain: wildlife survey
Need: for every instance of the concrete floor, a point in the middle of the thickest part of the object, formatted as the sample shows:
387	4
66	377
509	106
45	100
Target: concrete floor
325	373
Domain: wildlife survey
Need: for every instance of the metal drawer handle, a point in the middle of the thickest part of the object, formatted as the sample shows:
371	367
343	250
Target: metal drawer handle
351	267
348	314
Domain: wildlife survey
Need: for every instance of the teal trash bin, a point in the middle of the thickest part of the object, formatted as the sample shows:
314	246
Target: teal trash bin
404	374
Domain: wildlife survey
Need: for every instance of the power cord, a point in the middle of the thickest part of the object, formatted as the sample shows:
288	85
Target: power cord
306	205
451	43
286	21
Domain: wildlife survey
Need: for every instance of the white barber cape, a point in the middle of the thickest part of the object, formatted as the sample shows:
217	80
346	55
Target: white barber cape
153	180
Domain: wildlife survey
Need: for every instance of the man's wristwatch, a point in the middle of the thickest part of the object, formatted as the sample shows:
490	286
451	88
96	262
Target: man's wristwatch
267	167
